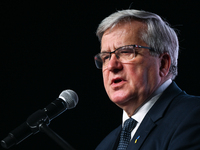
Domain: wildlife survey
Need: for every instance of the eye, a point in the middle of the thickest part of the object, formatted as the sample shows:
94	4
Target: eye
105	57
126	51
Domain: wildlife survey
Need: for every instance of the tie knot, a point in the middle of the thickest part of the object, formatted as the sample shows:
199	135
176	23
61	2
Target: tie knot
129	124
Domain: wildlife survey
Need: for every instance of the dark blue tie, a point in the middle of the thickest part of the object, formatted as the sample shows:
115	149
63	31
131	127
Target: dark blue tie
125	136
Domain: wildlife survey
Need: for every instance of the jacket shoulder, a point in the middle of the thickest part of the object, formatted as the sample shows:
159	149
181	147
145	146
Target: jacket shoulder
110	140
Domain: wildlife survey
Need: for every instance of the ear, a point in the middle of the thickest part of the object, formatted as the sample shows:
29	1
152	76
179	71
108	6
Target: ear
165	63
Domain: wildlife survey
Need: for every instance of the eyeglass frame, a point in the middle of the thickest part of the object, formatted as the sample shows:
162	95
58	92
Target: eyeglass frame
96	57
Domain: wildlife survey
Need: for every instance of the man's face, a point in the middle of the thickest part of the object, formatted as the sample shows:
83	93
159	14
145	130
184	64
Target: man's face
129	83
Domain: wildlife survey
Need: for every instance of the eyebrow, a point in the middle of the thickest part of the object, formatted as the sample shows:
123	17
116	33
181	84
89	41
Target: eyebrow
107	51
104	51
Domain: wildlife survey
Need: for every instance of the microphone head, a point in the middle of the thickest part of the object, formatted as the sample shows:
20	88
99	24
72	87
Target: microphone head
70	97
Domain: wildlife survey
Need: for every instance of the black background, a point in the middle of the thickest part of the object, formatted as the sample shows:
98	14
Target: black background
47	47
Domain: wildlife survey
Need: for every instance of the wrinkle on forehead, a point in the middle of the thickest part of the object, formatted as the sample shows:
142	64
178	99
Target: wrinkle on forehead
116	33
121	30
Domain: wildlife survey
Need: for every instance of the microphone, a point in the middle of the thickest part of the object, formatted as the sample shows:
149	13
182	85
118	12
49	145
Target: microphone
68	99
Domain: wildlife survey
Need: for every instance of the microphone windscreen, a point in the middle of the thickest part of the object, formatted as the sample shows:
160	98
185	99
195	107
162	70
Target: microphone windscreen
70	97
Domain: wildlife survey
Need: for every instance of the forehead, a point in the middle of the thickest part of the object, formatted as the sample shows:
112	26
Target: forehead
124	33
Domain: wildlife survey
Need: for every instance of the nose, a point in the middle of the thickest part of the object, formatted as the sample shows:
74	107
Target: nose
114	64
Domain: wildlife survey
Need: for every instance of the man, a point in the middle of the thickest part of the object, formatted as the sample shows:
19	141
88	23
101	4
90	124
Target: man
138	58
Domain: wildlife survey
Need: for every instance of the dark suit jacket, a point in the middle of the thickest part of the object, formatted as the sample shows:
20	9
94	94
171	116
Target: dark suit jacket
173	123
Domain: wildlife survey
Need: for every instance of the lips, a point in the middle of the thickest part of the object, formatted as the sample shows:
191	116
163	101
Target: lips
117	80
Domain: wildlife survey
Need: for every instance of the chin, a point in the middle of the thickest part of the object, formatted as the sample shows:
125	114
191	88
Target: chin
121	97
119	100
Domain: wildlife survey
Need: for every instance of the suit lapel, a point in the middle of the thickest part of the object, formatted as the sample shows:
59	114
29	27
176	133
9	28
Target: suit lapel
111	140
154	114
115	142
146	126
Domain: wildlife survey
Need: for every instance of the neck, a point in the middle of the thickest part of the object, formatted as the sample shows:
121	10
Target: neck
132	106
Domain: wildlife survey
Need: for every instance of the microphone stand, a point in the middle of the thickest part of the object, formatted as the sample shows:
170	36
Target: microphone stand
44	128
38	121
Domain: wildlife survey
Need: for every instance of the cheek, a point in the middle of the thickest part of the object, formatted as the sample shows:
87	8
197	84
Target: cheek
151	75
105	79
154	75
139	74
137	78
135	72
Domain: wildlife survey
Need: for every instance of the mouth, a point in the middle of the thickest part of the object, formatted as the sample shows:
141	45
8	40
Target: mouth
117	80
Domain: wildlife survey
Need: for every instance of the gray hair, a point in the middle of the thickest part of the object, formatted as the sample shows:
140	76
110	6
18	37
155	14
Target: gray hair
158	35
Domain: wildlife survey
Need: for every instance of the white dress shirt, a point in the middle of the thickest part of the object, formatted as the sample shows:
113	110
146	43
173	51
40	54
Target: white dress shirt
143	110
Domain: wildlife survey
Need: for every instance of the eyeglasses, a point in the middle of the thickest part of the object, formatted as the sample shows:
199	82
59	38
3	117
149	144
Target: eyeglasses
123	54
